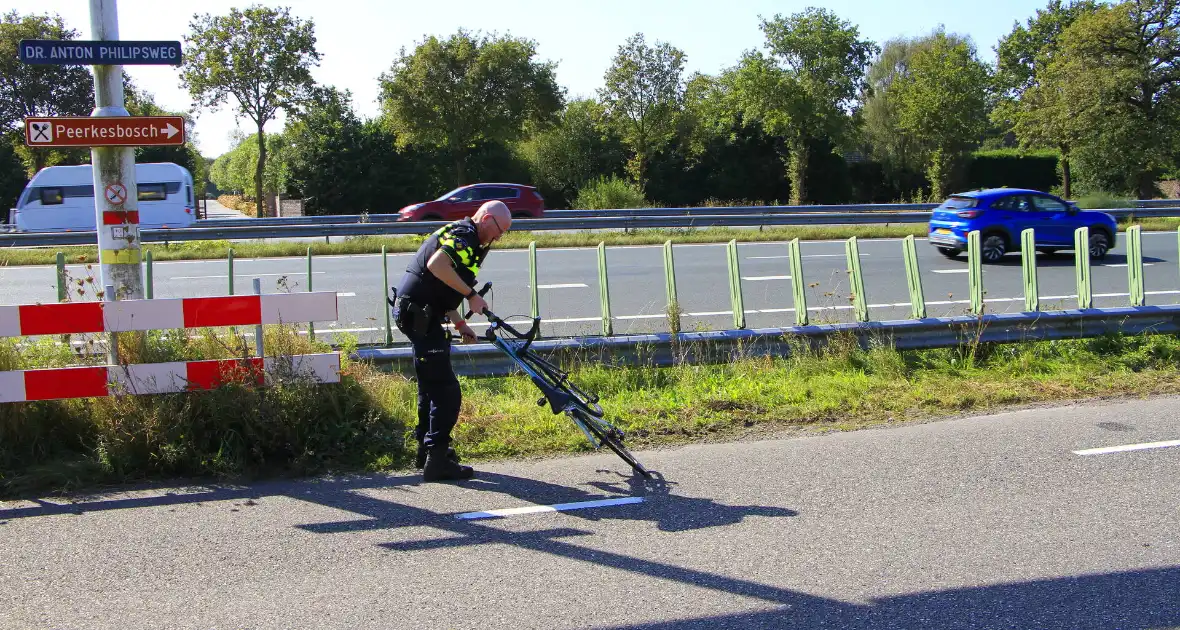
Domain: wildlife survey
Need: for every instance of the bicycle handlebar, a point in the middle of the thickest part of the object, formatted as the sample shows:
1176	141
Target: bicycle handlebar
482	292
497	323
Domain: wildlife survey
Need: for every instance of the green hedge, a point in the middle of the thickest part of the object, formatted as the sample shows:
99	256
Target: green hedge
1013	169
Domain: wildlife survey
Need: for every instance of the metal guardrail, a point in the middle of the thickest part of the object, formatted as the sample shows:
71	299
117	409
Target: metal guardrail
630	212
586	214
573	224
665	349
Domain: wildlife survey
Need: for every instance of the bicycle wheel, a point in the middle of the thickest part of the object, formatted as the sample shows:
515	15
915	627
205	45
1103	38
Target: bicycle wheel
560	380
611	436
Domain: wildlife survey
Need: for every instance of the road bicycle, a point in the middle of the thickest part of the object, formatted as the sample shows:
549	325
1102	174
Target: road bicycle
560	393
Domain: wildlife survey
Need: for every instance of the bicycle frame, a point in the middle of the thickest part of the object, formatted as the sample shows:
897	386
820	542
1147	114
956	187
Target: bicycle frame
518	348
578	410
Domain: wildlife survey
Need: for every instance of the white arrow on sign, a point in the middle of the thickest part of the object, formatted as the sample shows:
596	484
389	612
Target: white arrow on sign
170	130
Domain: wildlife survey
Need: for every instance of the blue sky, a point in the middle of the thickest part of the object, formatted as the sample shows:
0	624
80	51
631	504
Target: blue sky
360	38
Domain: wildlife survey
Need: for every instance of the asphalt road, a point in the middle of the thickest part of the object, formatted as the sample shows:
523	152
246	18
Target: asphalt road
987	522
569	292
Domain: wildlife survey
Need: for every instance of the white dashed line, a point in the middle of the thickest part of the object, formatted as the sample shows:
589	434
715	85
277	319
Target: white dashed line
534	509
1127	447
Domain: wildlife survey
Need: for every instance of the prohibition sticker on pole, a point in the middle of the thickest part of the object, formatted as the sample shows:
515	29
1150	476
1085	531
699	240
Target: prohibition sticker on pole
116	193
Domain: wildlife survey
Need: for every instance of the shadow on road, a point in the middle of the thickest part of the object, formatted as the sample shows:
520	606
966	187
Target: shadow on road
1131	599
1135	599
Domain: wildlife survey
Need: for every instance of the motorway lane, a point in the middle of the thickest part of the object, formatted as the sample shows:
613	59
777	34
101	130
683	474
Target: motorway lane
984	522
569	298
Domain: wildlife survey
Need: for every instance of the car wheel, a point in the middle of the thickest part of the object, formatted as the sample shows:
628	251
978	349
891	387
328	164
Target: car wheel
1099	245
950	252
993	248
432	217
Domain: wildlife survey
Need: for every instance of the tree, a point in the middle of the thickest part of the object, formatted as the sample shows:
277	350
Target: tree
143	103
898	151
1132	52
1028	106
942	102
28	90
805	88
236	170
12	174
262	57
643	93
1030	48
1107	97
467	89
578	148
326	163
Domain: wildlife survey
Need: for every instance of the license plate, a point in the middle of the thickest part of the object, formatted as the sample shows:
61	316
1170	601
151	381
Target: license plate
942	231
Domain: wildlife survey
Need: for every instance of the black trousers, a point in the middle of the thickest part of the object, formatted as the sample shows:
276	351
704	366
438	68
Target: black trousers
439	396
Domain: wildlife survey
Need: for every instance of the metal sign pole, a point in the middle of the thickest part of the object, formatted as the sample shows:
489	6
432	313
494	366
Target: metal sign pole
116	202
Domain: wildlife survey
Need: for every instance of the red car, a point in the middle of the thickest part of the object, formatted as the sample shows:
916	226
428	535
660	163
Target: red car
523	201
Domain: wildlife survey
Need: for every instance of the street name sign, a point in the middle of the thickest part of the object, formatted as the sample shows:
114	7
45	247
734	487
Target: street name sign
99	53
105	131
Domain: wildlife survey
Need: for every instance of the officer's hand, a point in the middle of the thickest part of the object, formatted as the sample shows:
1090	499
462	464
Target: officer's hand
477	304
468	334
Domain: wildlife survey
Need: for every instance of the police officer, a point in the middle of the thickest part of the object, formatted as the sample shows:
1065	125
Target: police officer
440	276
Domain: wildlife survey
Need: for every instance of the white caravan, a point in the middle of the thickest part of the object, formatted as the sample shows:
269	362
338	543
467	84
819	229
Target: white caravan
61	199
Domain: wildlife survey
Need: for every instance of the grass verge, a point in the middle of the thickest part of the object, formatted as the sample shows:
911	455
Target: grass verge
212	250
365	423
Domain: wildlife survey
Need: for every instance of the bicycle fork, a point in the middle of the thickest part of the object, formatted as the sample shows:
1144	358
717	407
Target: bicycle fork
570	411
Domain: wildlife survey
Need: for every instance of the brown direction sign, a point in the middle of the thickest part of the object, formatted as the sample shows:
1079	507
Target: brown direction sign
105	131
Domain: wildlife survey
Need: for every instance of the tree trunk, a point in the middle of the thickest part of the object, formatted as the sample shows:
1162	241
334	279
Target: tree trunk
1146	185
1066	179
797	171
460	167
259	200
938	173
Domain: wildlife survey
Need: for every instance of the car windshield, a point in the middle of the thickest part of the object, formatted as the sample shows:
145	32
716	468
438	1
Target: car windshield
959	202
448	194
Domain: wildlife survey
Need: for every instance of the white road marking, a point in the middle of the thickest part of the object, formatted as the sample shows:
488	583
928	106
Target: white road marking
534	509
804	256
1127	447
1124	265
950	270
756	278
349	294
572	285
246	275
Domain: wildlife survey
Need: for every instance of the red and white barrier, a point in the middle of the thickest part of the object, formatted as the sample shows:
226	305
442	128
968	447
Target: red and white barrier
95	317
161	378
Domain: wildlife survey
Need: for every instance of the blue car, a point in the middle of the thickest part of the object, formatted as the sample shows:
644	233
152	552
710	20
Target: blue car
1001	214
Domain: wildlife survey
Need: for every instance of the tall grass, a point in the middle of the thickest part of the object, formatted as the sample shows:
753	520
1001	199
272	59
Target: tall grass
293	426
1103	201
609	193
364	422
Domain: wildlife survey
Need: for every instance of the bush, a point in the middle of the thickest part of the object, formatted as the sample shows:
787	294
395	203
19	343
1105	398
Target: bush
609	194
294	426
239	203
1013	169
1103	201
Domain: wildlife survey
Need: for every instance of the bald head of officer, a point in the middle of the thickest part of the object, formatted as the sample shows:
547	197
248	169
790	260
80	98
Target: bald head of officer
492	220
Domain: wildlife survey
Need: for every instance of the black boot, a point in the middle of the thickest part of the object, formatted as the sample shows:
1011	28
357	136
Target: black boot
439	467
420	460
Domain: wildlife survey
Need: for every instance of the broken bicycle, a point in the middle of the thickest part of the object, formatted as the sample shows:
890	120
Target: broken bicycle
562	395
